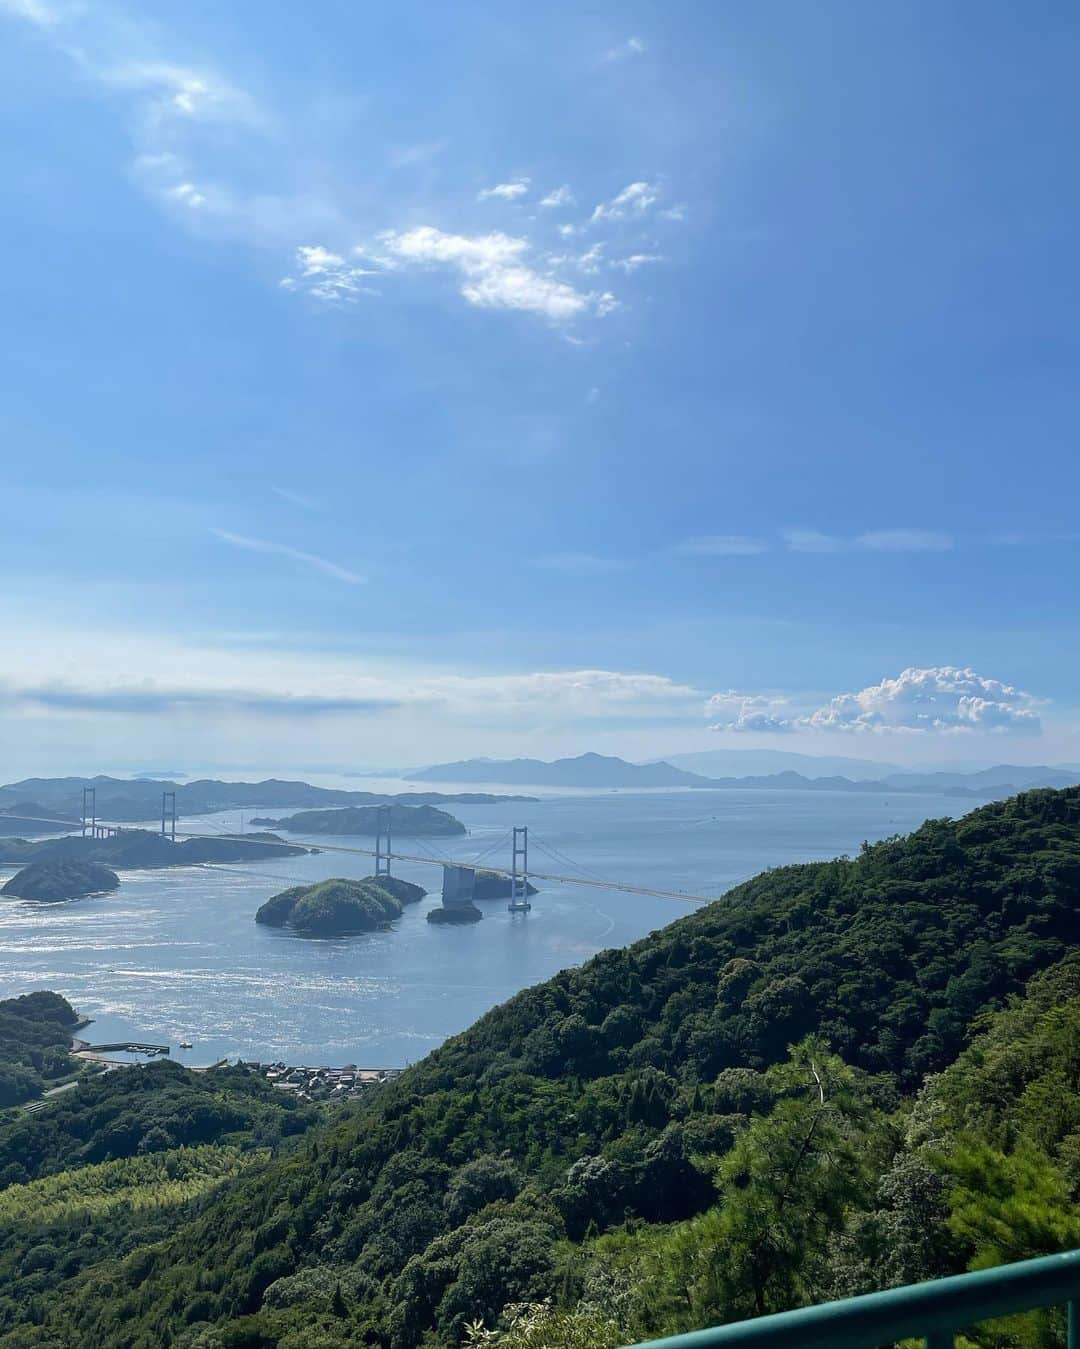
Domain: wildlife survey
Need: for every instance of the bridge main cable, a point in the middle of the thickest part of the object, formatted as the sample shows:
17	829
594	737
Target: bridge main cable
596	884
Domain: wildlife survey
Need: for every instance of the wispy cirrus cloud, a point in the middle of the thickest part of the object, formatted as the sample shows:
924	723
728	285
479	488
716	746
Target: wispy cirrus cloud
295	498
207	182
323	564
622	51
326	275
874	541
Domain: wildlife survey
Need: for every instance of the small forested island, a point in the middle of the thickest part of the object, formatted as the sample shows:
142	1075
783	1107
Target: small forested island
409	821
339	907
454	914
495	885
147	848
51	882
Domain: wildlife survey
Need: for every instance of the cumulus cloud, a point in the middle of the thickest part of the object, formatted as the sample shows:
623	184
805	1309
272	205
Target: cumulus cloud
561	196
511	191
940	698
721	545
634	200
495	272
944	698
322	564
748	712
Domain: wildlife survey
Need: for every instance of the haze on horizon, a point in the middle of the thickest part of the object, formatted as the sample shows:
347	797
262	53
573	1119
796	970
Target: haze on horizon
362	410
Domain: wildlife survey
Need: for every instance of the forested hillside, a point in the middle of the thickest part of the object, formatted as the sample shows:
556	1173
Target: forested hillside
772	1101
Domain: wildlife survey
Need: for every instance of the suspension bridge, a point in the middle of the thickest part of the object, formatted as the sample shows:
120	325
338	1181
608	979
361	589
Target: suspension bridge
517	840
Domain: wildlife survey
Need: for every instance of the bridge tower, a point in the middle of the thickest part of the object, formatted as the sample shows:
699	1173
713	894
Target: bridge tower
89	810
519	871
168	815
382	860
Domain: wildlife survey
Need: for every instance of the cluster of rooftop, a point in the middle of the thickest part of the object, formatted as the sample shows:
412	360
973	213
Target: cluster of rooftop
325	1084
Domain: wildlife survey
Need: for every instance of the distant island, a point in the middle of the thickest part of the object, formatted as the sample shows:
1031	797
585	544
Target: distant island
30	817
339	907
144	848
454	914
409	821
587	770
51	882
125	800
494	885
605	772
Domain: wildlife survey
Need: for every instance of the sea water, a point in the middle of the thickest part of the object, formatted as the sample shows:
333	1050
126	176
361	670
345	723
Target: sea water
176	954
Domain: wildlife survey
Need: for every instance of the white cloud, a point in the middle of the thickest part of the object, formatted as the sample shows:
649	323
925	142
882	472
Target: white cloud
721	545
33	11
875	541
905	541
561	196
198	95
940	698
747	712
511	191
811	541
636	260
944	698
634	200
295	498
496	275
322	564
622	51
591	259
327	276
188	194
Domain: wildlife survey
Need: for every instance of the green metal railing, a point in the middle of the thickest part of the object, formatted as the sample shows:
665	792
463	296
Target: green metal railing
934	1312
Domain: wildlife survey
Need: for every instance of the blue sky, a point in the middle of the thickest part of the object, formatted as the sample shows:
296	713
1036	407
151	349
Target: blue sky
388	383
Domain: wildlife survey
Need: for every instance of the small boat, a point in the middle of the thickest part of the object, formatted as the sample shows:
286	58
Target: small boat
185	1044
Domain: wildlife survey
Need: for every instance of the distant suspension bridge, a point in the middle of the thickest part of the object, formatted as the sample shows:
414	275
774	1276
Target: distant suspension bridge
517	838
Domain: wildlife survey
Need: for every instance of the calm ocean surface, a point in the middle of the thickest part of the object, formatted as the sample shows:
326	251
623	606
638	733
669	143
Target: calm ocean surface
175	955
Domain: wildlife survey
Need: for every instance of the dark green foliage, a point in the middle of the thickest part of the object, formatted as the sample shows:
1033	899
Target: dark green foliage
145	1108
331	908
406	821
35	1034
53	881
651	1095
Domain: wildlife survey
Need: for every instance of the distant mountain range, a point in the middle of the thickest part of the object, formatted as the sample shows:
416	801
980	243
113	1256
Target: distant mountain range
587	770
604	771
738	763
